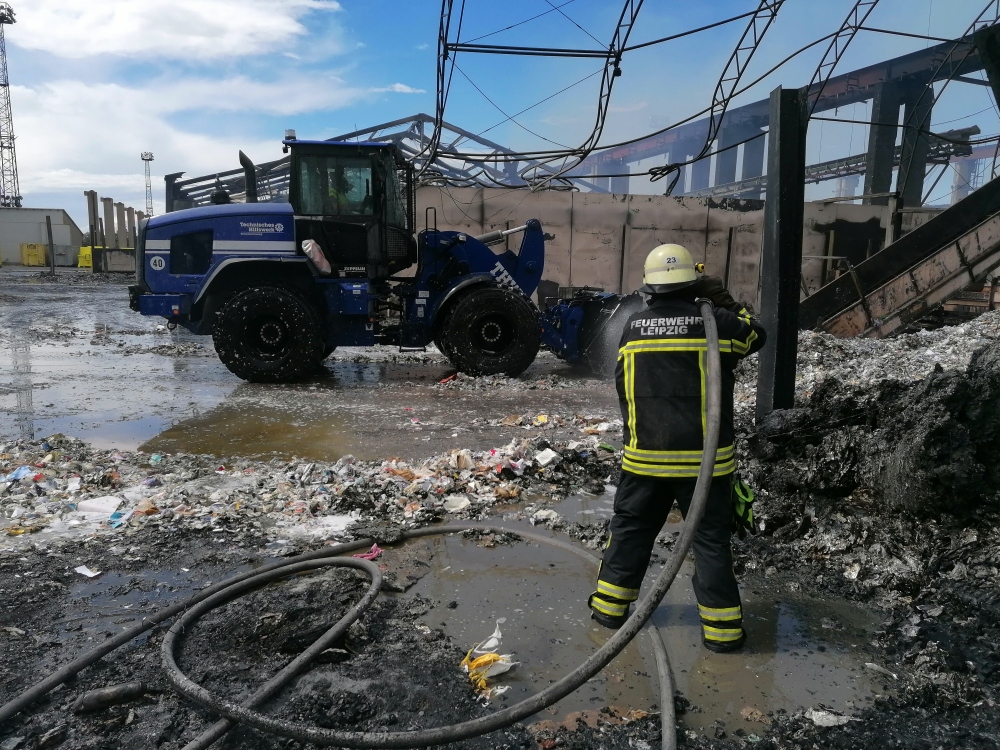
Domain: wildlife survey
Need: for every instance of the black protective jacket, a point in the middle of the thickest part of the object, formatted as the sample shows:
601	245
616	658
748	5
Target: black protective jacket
662	380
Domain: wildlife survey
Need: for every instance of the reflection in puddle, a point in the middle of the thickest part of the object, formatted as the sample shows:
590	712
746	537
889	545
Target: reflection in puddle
21	382
540	591
800	652
256	431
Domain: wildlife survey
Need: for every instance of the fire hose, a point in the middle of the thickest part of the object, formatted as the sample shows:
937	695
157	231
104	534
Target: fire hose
193	609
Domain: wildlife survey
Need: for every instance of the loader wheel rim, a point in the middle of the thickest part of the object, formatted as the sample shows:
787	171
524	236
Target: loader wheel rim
494	333
267	337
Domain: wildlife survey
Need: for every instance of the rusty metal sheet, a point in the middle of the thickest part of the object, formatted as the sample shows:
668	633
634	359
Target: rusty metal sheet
912	294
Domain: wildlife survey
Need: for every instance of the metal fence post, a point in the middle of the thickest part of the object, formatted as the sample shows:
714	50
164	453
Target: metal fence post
52	247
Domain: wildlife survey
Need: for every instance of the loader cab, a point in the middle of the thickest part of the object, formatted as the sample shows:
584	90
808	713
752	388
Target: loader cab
356	201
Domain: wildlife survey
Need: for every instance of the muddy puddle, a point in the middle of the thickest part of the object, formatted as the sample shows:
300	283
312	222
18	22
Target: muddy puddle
801	652
75	360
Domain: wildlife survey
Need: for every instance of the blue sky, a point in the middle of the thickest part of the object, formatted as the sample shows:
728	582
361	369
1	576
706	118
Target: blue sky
95	82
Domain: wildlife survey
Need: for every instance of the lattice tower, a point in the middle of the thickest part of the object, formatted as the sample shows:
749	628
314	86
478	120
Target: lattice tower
147	157
10	191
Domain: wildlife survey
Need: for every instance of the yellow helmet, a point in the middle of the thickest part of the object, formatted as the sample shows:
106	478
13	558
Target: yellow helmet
668	268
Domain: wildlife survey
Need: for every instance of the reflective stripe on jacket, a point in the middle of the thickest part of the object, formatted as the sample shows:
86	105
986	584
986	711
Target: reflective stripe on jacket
662	381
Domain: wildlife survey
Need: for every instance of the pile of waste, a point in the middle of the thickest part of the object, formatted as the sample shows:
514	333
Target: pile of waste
461	381
64	486
78	277
588	424
927	446
881	486
864	362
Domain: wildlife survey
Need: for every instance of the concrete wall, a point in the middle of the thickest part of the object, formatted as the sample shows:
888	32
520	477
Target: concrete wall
597	239
27	225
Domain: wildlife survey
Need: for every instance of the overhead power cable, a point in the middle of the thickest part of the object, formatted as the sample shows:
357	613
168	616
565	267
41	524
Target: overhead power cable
542	174
520	155
903	33
501	111
521	23
559	11
689	32
526	109
748	44
513	49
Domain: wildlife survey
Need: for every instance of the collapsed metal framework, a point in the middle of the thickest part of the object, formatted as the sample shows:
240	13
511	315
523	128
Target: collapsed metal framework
412	135
943	148
892	85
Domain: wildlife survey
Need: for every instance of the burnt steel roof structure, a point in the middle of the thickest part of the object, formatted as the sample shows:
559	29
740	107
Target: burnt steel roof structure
463	158
410	134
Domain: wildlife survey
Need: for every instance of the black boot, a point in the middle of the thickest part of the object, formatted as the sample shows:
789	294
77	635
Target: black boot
726	647
609	621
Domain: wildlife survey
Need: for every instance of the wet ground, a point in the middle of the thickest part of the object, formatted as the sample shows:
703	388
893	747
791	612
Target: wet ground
75	360
850	612
802	650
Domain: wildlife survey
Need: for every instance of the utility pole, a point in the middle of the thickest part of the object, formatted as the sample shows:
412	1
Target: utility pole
147	157
10	191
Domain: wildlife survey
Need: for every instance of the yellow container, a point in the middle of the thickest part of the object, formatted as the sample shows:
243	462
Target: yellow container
33	254
86	259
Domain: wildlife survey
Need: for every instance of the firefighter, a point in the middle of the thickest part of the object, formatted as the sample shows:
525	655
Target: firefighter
661	377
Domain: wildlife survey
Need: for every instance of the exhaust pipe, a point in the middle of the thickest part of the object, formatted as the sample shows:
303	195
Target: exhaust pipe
250	177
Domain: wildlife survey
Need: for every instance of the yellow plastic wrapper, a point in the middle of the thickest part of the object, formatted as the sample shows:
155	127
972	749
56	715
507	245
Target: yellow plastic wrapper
483	662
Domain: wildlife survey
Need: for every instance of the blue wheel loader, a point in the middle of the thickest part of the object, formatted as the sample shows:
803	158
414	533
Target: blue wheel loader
279	286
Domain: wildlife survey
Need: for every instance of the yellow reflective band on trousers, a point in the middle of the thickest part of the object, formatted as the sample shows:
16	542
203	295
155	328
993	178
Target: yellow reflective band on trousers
629	595
722	634
671	457
720	614
678	470
608	608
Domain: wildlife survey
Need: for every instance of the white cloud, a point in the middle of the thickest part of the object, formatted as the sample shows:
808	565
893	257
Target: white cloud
189	29
76	136
400	88
422	46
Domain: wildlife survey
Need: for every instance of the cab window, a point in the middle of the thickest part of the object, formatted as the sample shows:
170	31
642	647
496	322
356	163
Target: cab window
335	186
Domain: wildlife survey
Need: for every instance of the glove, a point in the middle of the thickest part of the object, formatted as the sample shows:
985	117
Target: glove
743	499
711	288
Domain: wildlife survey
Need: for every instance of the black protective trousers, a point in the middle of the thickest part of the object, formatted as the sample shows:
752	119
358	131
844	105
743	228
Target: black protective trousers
641	508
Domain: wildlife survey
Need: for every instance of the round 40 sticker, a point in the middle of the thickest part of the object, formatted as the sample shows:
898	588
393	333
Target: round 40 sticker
157	263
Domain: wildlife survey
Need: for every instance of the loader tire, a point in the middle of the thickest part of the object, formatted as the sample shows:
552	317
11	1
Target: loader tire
491	330
269	334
